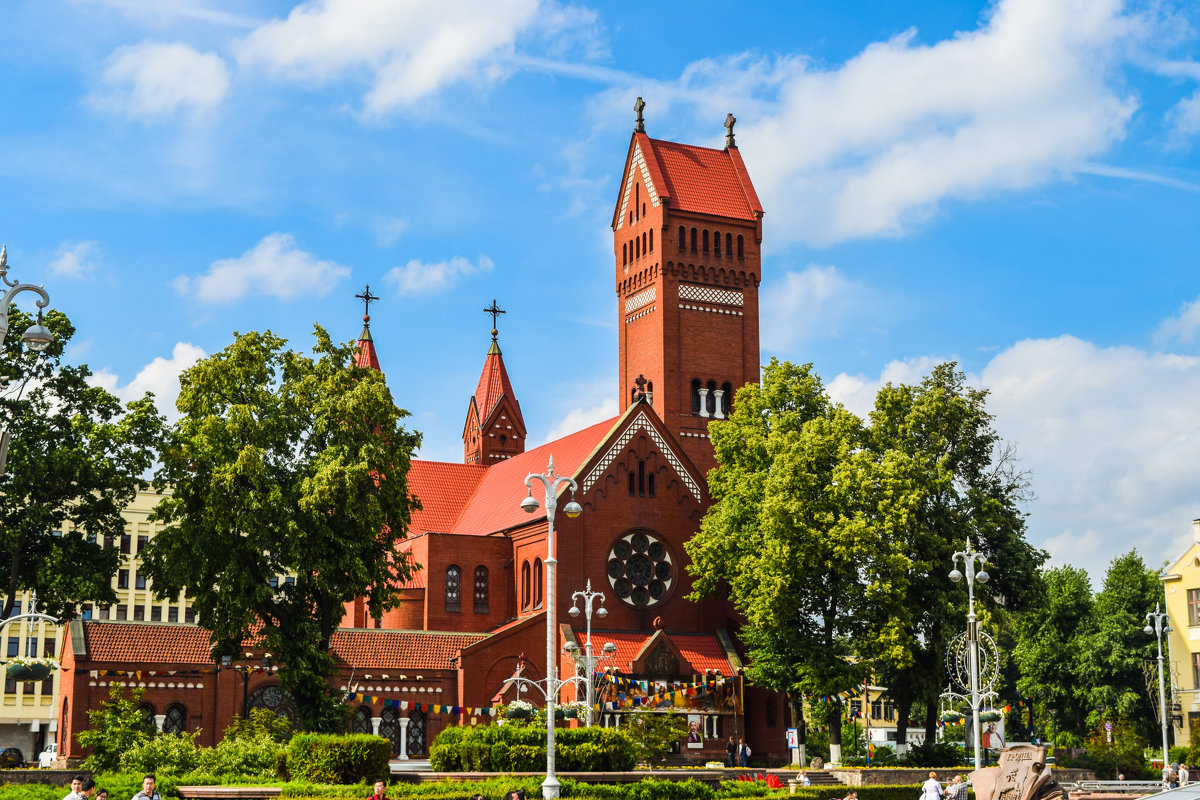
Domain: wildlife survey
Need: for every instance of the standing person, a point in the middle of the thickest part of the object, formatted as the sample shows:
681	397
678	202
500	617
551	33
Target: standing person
102	794
76	785
956	789
731	752
87	788
147	792
1184	778
931	789
380	792
745	752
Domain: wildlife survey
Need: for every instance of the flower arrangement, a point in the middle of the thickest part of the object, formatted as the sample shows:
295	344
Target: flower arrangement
951	717
990	715
576	709
519	709
30	668
32	661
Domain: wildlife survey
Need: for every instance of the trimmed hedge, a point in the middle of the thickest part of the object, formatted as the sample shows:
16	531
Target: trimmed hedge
512	748
869	792
329	758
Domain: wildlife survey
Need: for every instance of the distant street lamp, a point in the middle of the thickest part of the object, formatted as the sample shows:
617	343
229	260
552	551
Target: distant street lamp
36	337
1157	625
969	557
551	483
588	660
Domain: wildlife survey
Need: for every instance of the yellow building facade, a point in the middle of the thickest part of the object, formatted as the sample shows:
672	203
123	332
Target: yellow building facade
28	717
1181	657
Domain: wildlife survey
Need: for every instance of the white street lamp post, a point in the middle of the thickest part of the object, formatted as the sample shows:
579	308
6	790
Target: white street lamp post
969	557
1157	624
588	597
36	337
551	483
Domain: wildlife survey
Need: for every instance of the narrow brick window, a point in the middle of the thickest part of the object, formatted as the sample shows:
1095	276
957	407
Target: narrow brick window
704	240
538	591
693	240
717	244
481	590
652	240
453	588
624	254
682	238
741	250
525	581
711	400
728	245
695	395
726	395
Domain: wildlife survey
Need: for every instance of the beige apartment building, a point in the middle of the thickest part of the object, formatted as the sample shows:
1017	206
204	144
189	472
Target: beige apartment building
28	714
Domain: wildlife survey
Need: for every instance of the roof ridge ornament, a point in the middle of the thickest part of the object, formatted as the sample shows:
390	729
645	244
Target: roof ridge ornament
639	105
367	299
730	119
495	311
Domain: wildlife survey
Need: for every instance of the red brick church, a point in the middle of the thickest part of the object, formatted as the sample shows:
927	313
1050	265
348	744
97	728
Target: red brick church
687	229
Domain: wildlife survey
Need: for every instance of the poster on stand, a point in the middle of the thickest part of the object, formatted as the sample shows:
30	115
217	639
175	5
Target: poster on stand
695	732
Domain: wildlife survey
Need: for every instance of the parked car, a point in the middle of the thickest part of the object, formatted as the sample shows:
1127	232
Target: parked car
11	758
48	756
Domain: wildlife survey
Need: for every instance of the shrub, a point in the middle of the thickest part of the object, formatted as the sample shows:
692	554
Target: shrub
261	722
30	791
116	727
931	754
512	748
328	758
254	756
172	753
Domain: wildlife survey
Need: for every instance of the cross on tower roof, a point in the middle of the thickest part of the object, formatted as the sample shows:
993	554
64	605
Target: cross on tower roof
730	119
367	299
495	311
638	105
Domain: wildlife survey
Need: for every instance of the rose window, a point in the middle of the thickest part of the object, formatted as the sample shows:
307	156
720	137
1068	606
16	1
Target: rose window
640	570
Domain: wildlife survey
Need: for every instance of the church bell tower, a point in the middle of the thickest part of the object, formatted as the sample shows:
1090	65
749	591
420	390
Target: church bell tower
687	230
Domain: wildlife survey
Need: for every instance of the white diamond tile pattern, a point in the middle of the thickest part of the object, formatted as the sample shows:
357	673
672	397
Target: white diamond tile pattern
704	294
640	299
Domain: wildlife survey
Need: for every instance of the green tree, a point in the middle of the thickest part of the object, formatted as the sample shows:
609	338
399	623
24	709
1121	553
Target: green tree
793	534
284	464
1115	652
76	458
1052	639
118	726
936	447
653	733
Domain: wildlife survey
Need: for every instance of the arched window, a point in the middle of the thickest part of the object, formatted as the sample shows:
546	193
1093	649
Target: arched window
637	247
652	240
728	245
682	238
624	254
453	588
695	395
650	485
481	589
704	240
644	250
538	591
176	721
650	392
389	727
741	251
717	243
726	398
525	585
643	209
274	699
361	721
147	713
712	398
637	195
641	479
693	240
416	733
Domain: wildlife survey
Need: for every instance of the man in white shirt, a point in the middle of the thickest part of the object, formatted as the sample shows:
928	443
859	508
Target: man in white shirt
76	786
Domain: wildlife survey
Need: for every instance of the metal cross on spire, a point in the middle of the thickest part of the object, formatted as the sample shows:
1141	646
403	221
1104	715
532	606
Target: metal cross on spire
367	299
638	106
495	311
730	119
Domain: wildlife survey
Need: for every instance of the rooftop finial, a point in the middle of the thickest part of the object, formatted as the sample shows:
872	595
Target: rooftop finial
495	311
367	299
638	106
730	119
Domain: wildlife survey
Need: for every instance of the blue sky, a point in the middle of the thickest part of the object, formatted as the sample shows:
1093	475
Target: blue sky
1014	185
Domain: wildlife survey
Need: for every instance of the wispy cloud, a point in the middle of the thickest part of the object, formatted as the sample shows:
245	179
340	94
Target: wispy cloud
418	277
74	260
806	304
160	376
1183	326
274	267
155	81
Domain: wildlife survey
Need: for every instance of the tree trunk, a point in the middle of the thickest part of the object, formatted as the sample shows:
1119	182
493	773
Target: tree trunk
930	720
834	720
903	710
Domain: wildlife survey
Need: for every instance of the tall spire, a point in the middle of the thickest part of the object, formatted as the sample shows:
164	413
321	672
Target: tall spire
366	357
494	429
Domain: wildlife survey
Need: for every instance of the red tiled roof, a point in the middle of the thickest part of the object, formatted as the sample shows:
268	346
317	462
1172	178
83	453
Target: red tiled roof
444	488
496	504
366	356
493	386
701	179
702	650
380	649
148	643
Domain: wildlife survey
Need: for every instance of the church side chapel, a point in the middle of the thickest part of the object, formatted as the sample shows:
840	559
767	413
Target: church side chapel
687	229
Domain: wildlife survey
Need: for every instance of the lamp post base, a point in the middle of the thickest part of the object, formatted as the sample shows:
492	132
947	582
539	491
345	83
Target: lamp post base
550	787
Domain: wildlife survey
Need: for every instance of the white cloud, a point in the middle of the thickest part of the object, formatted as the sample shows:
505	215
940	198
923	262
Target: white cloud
388	231
1184	118
154	81
1108	434
274	267
417	277
1182	327
160	376
874	145
581	417
410	50
165	13
74	260
805	305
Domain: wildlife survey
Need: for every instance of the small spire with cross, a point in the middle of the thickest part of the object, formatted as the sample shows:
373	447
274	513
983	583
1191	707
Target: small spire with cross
639	388
367	299
730	119
639	105
495	311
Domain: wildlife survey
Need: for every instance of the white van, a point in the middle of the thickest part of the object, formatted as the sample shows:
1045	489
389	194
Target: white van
48	756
